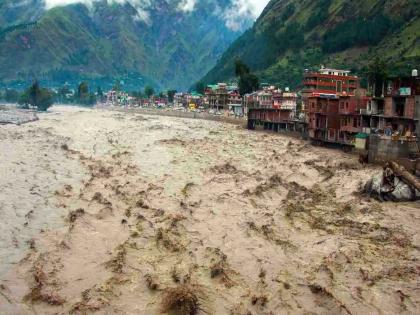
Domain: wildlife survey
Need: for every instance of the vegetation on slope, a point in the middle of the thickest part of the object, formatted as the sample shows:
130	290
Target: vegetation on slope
169	49
292	35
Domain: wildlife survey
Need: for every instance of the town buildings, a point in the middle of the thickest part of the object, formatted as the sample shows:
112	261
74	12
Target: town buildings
335	110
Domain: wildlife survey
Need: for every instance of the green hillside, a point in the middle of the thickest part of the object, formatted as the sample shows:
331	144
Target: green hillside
168	49
293	35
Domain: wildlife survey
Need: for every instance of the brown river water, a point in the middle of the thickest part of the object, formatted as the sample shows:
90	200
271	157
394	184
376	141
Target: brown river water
109	212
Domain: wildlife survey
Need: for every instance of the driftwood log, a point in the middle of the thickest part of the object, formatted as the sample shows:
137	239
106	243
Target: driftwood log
405	175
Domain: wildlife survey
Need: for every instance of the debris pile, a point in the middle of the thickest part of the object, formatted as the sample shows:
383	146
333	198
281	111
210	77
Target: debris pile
395	183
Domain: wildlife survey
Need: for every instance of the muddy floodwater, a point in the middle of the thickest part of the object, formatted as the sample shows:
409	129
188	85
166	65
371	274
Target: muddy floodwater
109	212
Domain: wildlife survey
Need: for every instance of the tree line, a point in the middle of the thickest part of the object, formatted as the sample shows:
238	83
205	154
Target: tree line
42	98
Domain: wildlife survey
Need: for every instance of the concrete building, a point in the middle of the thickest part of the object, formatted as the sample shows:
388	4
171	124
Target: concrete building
235	103
218	96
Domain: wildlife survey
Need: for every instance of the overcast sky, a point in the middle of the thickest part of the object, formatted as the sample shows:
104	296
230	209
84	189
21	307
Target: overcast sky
253	7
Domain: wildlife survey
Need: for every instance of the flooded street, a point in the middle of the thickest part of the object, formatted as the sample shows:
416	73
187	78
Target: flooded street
119	213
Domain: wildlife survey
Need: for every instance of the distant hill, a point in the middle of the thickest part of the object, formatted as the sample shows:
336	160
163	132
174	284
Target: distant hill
162	46
293	35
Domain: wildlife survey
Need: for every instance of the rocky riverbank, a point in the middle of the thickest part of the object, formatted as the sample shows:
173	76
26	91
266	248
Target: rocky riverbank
111	212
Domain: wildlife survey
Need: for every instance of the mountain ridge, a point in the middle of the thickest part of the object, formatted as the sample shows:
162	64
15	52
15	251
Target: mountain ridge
109	42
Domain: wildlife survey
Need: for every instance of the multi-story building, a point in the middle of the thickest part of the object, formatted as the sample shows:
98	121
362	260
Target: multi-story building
397	111
218	96
329	81
265	99
323	117
235	103
277	98
274	109
350	118
332	105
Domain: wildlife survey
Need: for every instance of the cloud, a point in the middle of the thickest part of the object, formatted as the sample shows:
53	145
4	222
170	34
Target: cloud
187	5
255	7
235	16
135	3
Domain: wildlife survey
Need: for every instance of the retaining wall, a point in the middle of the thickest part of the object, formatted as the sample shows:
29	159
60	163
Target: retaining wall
382	150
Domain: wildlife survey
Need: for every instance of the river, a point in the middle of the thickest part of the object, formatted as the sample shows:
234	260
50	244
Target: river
112	212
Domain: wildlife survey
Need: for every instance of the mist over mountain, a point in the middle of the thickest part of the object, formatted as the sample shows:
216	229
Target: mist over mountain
165	43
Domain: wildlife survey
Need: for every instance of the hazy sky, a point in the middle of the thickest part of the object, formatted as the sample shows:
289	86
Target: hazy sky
241	7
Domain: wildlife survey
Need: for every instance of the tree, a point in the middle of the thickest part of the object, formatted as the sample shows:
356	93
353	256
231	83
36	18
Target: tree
84	96
200	87
117	86
248	82
149	91
99	92
171	94
241	68
38	97
83	90
377	72
24	100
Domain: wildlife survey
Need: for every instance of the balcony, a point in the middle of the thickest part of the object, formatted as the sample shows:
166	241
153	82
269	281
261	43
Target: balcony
349	128
371	112
348	111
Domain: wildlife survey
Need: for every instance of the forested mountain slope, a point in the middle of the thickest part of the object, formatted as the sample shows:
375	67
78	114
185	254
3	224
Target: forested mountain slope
293	35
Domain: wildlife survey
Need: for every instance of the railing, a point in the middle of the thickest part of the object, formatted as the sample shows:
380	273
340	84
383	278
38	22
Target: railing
371	112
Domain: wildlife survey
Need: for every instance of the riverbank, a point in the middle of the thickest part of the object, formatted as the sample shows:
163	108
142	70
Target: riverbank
115	212
10	114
